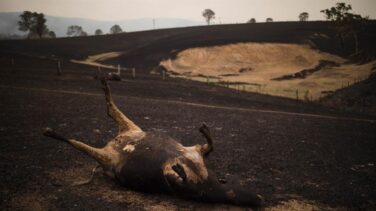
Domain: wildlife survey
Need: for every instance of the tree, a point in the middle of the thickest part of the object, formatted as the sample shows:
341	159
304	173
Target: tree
337	13
208	14
252	20
40	24
303	16
346	23
76	31
26	23
115	29
51	34
34	23
83	34
98	32
269	20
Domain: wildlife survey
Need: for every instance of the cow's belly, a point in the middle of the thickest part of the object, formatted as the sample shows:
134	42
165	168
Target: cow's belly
141	166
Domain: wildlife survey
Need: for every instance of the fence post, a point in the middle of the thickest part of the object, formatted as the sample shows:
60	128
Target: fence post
99	73
58	67
133	72
118	69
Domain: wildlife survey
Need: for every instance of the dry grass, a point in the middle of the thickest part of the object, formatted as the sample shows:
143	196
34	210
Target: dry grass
256	64
28	201
301	204
260	62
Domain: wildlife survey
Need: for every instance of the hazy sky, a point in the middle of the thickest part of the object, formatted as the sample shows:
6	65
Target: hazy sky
227	11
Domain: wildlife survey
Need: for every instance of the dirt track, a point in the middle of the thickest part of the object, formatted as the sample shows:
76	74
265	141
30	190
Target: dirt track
285	155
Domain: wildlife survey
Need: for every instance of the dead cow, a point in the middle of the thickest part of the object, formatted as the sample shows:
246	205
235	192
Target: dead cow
154	162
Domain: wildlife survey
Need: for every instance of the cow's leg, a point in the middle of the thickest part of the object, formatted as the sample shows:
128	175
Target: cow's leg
102	156
206	148
125	124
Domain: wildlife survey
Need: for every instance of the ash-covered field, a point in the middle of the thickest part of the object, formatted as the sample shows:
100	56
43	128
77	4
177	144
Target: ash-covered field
297	155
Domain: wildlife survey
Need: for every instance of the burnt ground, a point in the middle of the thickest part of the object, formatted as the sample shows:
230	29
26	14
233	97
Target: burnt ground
145	49
360	97
267	144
